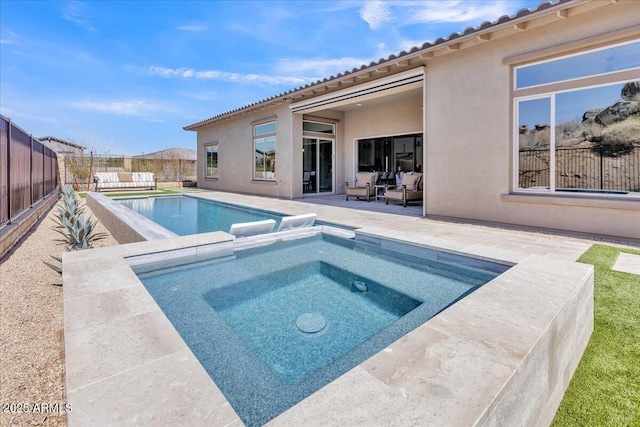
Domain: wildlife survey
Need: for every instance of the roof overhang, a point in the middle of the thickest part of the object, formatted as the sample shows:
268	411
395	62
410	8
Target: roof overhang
401	82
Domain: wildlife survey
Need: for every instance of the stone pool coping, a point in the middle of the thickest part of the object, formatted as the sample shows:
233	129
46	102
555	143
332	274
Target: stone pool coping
503	355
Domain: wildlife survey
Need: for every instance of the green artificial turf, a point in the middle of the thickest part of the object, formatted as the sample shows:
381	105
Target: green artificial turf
605	389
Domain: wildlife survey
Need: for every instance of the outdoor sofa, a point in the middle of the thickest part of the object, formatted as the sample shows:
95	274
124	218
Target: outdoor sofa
124	180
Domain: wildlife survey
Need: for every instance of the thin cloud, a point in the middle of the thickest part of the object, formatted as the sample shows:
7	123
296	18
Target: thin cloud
78	13
376	13
9	37
460	11
201	96
190	73
319	66
131	107
192	28
379	13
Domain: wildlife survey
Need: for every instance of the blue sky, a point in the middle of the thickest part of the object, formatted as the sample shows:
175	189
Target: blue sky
124	77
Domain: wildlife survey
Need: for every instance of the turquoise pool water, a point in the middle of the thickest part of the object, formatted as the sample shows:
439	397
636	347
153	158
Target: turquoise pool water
189	215
273	324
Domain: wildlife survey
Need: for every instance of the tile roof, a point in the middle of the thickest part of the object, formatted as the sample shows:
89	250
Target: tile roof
487	25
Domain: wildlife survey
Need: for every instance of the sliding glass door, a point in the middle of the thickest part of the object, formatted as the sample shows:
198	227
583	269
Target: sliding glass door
317	165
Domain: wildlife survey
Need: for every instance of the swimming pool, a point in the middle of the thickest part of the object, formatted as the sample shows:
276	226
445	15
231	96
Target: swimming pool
186	215
274	323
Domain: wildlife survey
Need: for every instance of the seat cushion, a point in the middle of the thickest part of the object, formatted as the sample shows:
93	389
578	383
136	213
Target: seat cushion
106	176
412	182
125	176
143	177
362	178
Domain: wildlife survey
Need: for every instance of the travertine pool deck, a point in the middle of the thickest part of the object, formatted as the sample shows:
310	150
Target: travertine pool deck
627	263
502	356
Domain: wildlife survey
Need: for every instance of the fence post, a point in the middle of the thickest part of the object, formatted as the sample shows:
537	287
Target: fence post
30	170
601	170
44	176
9	172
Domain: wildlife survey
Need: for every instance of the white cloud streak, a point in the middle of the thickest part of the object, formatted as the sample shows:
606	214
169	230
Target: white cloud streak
380	13
9	37
376	13
190	73
318	66
192	28
78	13
131	107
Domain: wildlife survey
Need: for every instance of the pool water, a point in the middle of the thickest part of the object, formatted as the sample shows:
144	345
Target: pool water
189	215
273	324
315	290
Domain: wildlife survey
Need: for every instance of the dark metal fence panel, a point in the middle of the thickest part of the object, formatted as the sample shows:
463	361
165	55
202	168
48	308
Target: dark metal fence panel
4	171
28	171
50	170
20	172
37	172
605	168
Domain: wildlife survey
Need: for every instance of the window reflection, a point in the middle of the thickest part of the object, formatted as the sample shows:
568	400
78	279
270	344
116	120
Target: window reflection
264	151
534	118
211	170
390	154
598	138
603	61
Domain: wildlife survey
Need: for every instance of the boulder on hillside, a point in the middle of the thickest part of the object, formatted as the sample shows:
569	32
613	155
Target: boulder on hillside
631	91
590	115
617	112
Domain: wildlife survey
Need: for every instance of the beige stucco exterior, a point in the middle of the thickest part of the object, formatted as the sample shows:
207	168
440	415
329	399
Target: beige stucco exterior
464	107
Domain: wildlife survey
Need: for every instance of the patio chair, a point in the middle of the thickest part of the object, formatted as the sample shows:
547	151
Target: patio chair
246	229
410	189
363	186
297	221
306	181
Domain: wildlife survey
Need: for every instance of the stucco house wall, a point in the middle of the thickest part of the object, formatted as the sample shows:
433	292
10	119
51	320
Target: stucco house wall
465	108
469	134
235	154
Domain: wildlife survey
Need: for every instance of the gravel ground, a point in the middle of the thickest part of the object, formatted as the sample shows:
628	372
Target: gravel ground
32	371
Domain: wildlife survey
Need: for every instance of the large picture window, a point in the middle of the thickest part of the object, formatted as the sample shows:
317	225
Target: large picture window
211	156
264	144
585	139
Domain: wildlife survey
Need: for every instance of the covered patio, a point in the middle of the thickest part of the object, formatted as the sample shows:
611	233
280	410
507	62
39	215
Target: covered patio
338	200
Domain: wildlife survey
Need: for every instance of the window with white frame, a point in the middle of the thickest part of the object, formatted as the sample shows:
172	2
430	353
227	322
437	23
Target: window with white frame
211	159
264	148
582	135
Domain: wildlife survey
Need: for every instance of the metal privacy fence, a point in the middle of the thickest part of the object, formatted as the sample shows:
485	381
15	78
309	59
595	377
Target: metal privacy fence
78	168
604	168
28	171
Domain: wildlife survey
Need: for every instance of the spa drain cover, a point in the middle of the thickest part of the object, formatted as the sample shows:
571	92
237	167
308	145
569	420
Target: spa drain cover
310	323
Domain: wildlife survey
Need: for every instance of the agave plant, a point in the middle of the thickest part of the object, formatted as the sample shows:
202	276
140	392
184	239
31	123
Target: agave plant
55	267
71	207
78	232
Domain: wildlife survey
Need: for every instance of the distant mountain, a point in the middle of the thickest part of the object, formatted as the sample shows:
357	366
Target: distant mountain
171	153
